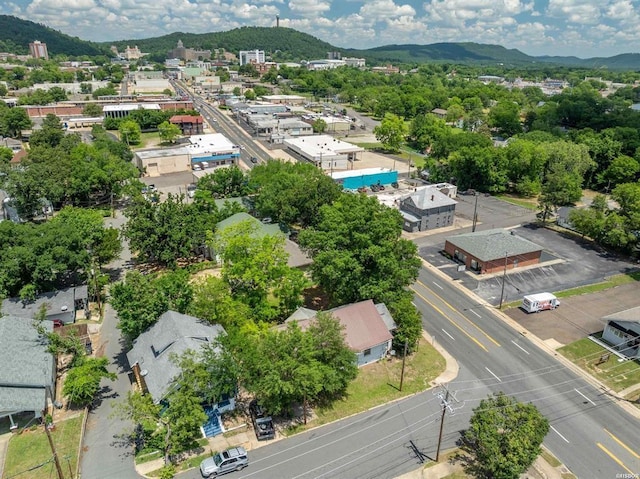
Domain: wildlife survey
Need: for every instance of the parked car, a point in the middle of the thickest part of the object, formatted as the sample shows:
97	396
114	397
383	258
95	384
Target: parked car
267	220
196	167
233	459
254	159
205	164
262	423
191	190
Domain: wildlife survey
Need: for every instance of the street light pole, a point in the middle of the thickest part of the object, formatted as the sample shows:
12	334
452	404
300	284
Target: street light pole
504	277
475	214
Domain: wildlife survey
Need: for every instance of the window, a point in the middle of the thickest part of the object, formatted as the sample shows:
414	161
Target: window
367	352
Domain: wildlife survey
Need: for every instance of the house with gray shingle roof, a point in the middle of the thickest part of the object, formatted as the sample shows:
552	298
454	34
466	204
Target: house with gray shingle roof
622	331
426	209
62	305
27	375
173	334
367	328
488	251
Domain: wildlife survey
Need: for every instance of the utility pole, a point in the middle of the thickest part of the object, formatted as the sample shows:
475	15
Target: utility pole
475	214
404	358
52	445
504	277
446	405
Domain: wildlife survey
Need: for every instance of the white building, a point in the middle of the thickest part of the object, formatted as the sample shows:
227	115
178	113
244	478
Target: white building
325	64
212	150
122	110
249	56
324	151
355	62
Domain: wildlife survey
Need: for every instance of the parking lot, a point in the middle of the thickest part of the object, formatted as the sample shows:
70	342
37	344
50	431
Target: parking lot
566	262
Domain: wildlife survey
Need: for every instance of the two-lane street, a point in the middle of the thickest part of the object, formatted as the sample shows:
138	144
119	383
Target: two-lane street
589	432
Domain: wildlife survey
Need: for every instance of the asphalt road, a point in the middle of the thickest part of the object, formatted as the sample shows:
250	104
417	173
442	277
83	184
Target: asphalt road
227	126
106	451
590	434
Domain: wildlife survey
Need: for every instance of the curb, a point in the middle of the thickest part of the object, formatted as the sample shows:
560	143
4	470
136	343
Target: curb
595	382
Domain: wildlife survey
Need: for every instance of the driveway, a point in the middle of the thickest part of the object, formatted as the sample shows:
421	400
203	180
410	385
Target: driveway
106	450
577	316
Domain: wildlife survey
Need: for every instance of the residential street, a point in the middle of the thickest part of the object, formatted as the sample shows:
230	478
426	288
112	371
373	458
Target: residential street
107	453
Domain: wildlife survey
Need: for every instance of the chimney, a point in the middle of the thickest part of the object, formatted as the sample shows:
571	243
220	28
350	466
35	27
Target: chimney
431	197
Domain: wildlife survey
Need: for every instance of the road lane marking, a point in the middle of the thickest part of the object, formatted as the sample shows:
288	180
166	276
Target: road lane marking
448	334
585	397
631	451
519	347
556	431
461	315
612	456
450	320
436	284
492	373
473	312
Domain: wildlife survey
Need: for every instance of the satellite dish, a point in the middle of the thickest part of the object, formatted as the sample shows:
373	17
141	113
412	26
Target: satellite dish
144	372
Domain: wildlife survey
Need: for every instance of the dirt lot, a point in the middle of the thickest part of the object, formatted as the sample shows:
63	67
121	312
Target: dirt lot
577	316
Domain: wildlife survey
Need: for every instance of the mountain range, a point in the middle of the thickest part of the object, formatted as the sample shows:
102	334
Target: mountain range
286	44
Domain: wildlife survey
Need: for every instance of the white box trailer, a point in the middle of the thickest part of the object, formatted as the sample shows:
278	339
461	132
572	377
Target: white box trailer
534	303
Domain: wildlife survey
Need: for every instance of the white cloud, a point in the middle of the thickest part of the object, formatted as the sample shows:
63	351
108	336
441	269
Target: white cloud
382	10
575	11
309	8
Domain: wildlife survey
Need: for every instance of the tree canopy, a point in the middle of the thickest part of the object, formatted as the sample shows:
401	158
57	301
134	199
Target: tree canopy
504	437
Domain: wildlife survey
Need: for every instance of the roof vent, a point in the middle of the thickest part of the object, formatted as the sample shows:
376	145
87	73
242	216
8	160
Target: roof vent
64	308
144	372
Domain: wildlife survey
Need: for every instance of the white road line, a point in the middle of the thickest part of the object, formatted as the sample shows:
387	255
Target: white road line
452	338
519	347
556	431
472	311
585	397
437	285
491	372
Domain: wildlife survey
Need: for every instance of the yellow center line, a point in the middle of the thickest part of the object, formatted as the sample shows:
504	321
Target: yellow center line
457	311
450	320
620	463
631	451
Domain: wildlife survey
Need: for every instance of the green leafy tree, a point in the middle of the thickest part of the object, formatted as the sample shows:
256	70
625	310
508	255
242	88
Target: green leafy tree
224	183
505	117
13	121
92	110
168	131
140	300
50	134
83	381
358	254
504	437
622	169
166	231
255	265
130	132
213	302
291	193
319	125
391	132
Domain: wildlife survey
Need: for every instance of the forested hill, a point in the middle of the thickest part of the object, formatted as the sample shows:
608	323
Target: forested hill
458	52
283	43
287	44
16	34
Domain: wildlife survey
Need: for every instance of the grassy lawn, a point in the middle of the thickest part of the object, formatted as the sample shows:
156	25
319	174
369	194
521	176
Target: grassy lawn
587	354
378	383
528	203
370	146
31	449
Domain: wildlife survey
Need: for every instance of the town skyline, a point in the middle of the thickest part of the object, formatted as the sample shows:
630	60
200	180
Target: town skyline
538	27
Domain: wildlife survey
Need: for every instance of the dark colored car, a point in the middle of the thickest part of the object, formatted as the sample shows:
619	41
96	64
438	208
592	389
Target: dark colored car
262	423
254	159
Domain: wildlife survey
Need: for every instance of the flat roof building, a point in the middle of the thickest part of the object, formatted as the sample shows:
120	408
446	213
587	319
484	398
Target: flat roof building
324	151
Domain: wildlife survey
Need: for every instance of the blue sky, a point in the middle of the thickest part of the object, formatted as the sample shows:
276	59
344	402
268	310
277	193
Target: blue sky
584	28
